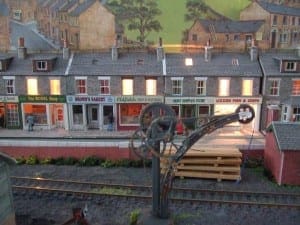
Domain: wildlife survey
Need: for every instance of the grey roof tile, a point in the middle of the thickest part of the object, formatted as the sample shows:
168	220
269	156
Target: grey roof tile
287	135
67	6
279	9
82	7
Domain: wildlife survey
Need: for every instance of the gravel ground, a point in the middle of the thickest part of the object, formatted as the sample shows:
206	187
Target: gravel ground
51	210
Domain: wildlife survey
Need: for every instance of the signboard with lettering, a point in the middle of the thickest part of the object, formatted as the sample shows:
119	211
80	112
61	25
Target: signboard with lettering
189	100
43	98
238	100
138	99
9	99
90	99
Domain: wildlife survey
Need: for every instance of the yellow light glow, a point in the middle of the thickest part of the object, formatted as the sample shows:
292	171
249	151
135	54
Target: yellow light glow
150	87
247	87
127	86
32	86
224	87
55	87
188	61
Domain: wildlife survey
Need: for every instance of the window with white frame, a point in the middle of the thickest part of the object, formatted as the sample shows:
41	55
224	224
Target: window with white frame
41	65
296	114
127	86
177	83
274	87
296	87
151	86
290	66
104	85
32	86
285	113
224	87
1	65
55	87
247	87
201	85
9	84
81	85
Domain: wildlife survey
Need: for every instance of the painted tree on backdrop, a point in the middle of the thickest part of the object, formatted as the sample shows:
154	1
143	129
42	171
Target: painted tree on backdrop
139	15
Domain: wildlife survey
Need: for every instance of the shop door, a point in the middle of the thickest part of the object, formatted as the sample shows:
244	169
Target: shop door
59	117
273	39
93	118
107	110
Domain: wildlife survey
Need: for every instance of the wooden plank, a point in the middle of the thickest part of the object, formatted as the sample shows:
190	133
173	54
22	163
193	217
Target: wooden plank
216	153
208	175
222	161
210	168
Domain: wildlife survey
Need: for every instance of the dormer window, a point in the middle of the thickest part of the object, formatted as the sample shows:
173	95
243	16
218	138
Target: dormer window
290	66
41	65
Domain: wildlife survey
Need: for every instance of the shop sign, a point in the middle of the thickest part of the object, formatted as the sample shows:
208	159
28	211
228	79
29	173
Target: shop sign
189	100
9	99
138	99
238	100
43	98
90	99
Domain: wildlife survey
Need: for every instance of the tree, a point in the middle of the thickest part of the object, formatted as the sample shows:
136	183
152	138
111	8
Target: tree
138	14
195	9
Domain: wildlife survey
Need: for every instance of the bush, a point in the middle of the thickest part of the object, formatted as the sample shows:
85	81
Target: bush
46	161
134	215
89	161
32	160
21	160
108	164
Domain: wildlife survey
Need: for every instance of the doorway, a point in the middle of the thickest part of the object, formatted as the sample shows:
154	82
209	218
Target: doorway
106	111
93	117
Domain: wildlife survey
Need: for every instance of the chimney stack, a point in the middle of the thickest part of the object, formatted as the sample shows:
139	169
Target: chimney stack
253	51
22	51
66	50
160	51
114	51
207	51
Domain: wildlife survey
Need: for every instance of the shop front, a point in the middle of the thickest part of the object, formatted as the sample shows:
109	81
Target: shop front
48	111
191	110
9	112
227	105
90	112
129	108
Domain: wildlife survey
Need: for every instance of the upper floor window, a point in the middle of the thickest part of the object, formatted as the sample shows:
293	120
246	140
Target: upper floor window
283	38
274	87
200	85
41	65
290	66
274	20
194	37
55	87
127	86
296	114
293	21
224	86
9	84
177	83
284	20
104	85
81	85
32	86
151	86
296	87
247	87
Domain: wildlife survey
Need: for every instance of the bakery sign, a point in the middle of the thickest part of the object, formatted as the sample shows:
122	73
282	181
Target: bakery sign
238	100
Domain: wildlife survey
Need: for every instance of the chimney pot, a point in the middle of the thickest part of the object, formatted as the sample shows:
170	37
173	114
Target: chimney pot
21	42
114	53
22	51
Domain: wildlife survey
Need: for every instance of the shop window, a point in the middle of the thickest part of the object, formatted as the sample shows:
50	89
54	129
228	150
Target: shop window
247	87
81	85
129	113
12	115
77	114
104	84
10	85
200	86
32	86
38	112
296	114
55	87
177	85
203	110
274	87
296	87
127	86
224	87
151	86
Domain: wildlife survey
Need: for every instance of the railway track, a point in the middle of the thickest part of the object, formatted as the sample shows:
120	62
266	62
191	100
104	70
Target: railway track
94	190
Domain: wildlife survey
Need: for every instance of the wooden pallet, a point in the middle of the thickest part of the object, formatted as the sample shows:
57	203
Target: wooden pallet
212	163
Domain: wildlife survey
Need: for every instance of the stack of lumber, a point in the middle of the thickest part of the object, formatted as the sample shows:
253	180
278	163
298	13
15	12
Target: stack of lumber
209	162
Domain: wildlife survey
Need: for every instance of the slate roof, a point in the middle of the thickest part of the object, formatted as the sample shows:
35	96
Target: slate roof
23	67
279	9
270	63
82	7
287	135
230	26
68	5
4	10
127	64
220	65
292	100
58	5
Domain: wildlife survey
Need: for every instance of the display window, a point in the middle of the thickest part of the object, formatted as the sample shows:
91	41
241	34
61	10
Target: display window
38	111
77	114
12	115
129	113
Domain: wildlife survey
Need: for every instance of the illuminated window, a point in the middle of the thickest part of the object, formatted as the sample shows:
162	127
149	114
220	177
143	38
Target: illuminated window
151	86
200	85
224	87
32	86
9	84
274	87
55	87
296	87
127	86
177	85
80	85
188	61
247	87
104	84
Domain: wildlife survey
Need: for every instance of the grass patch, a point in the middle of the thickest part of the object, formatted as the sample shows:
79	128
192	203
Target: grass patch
111	191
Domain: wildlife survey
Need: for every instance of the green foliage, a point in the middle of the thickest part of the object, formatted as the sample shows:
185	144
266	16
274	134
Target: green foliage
32	160
46	161
21	160
108	164
90	161
134	215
